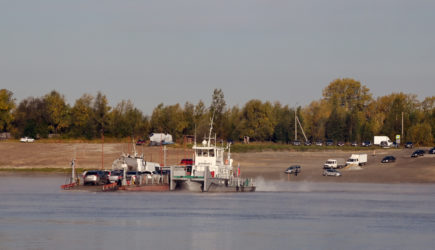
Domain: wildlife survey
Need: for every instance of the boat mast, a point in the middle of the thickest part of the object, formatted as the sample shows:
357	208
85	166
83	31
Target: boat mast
211	129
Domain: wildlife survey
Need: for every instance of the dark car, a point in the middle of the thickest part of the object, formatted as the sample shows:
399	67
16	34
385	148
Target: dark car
388	159
366	144
296	169
418	153
409	145
340	144
96	177
432	150
140	142
329	142
296	143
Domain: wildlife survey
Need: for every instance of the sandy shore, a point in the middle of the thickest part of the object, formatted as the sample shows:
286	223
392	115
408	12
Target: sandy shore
266	165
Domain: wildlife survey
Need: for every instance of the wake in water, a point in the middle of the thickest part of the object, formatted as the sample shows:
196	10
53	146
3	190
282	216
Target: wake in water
306	186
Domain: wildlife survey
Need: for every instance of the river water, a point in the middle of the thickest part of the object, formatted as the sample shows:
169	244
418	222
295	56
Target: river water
36	214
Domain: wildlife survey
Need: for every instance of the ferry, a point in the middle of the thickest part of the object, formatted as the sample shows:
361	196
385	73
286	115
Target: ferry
211	171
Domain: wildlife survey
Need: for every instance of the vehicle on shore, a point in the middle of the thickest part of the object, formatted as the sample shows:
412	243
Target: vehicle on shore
409	144
297	143
417	153
331	172
307	143
432	151
27	139
354	144
357	159
186	162
140	142
96	177
319	143
329	142
382	140
366	144
295	169
340	144
334	163
388	159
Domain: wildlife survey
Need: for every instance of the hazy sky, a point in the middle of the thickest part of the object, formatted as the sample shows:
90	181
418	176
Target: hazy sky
177	51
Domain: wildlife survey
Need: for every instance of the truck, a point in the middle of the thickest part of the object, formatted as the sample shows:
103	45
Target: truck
157	139
357	159
334	163
382	140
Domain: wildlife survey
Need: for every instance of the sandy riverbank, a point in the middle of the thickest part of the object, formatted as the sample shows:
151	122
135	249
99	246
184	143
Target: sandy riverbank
266	165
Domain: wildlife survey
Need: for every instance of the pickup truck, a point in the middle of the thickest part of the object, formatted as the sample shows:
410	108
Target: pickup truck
333	163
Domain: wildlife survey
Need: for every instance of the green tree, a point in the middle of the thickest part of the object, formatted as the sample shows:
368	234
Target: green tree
82	122
31	119
257	120
101	113
7	104
126	120
57	111
421	134
217	109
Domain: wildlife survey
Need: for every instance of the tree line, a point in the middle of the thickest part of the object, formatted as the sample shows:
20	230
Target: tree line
346	112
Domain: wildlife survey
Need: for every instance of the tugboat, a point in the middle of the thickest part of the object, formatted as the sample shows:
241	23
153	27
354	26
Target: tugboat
210	171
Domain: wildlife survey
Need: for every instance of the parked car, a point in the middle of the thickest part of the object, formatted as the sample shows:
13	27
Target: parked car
418	153
388	159
432	150
354	144
296	169
331	172
366	144
27	139
140	142
116	176
409	144
340	144
329	142
96	177
296	143
186	162
319	143
307	143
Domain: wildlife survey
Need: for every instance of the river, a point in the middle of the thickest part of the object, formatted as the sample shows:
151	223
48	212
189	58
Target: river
36	214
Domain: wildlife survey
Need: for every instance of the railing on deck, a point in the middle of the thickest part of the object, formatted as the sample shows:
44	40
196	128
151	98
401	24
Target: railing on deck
68	186
110	187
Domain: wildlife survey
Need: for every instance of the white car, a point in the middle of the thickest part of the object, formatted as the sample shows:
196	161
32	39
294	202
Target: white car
331	172
27	139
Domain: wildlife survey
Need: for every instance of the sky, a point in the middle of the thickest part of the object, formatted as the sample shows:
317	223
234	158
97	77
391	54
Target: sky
155	51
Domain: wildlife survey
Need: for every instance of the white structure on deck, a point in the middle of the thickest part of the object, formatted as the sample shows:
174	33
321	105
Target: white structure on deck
211	170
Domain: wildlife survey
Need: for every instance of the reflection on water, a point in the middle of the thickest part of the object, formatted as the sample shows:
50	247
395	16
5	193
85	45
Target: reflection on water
35	214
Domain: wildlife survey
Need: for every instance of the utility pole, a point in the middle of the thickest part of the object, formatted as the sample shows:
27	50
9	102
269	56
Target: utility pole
296	126
402	126
102	149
